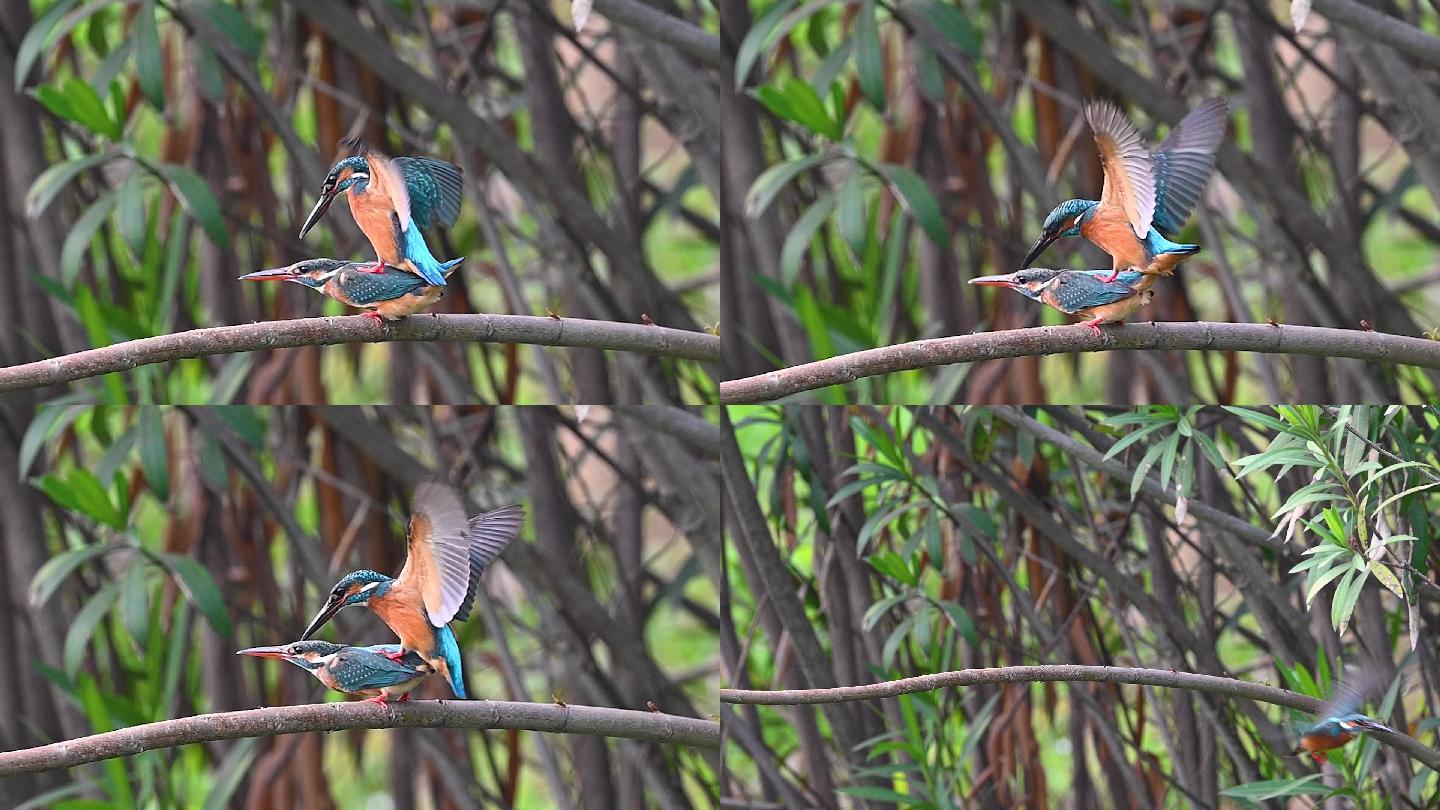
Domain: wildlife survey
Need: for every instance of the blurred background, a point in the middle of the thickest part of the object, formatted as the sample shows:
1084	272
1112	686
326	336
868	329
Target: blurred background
143	546
155	151
1270	545
880	155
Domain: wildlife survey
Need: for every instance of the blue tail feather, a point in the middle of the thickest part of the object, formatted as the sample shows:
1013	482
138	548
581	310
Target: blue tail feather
1156	244
419	253
450	651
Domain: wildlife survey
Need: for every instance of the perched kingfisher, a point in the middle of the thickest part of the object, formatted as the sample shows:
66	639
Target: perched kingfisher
392	200
1083	293
446	556
368	672
1339	722
389	295
1146	196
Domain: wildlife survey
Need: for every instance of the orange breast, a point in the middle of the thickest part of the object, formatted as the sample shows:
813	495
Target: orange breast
418	301
372	213
1314	743
1110	231
1120	310
401	611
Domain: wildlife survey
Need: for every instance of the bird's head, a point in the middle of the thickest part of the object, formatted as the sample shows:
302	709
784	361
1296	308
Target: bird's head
1357	723
312	273
1064	220
1028	282
354	589
308	654
352	171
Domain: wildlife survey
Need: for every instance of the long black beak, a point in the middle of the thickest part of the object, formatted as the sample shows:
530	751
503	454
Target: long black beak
1045	242
326	197
1006	280
276	274
332	606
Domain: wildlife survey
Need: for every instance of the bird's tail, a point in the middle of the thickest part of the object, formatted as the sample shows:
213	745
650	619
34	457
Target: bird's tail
418	254
1158	245
450	652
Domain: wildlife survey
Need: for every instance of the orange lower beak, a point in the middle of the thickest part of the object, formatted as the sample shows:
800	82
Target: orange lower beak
263	652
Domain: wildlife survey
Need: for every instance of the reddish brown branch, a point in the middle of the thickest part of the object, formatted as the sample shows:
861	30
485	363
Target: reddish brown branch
572	332
266	722
1043	340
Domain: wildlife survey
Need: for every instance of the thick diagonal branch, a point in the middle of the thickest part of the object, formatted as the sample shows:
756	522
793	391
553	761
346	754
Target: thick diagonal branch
573	332
1043	340
266	722
1046	673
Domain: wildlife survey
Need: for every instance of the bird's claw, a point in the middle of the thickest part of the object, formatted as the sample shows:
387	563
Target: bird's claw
394	656
374	316
377	268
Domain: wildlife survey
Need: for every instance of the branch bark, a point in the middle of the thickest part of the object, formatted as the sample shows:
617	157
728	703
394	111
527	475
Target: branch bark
573	332
271	721
1047	673
1043	340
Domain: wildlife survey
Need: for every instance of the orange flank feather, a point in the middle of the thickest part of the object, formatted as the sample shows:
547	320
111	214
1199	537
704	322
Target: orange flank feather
420	300
1110	231
1315	744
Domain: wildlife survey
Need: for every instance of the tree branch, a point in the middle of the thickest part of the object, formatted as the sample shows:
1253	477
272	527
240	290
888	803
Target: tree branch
674	31
1170	679
267	722
1043	340
1382	27
572	332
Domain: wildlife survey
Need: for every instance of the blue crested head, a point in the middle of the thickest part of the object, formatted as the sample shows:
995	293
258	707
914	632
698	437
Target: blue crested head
347	173
354	589
1064	220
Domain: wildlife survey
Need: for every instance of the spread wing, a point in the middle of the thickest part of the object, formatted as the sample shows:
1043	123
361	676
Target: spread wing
387	176
490	533
1355	687
1129	167
438	562
1184	162
434	189
359	668
1075	291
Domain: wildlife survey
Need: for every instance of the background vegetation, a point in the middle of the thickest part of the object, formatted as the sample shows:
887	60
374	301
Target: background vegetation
143	546
1269	545
155	151
881	154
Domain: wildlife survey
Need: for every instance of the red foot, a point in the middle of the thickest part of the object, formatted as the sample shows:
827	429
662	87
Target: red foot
404	697
395	656
380	699
375	316
1318	759
377	268
1094	326
1114	274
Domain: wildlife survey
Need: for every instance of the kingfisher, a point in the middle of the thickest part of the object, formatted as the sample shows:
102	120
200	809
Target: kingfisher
369	672
392	200
1146	196
389	295
1083	293
1339	721
446	556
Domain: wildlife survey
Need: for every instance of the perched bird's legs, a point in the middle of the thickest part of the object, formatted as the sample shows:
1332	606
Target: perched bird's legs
1319	760
1094	326
404	697
372	314
400	653
377	268
380	699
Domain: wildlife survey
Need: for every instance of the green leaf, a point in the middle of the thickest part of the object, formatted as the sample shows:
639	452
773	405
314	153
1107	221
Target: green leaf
149	61
912	193
92	498
88	110
57	569
130	214
1318	581
1275	788
154	459
953	24
869	57
39	36
232	771
83	626
135	601
199	203
795	100
48	420
1386	577
773	180
54	179
82	233
880	608
229	21
762	33
797	242
199	587
851	217
1345	597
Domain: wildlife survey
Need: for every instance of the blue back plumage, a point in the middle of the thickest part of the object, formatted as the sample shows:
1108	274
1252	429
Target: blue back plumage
418	252
358	668
1077	290
434	187
450	651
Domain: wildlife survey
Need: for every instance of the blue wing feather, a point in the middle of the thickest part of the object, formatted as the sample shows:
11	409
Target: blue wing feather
361	668
1075	291
435	190
1184	162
